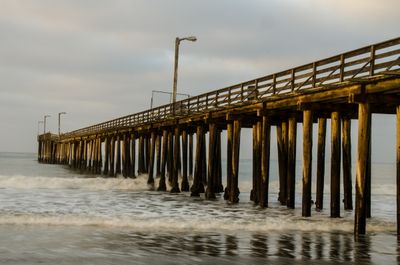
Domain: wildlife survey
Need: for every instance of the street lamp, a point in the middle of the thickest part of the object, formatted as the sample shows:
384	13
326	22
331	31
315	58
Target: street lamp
44	123
177	42
59	122
38	126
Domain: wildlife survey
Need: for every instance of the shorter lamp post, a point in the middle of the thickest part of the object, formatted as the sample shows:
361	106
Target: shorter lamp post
59	122
44	123
38	126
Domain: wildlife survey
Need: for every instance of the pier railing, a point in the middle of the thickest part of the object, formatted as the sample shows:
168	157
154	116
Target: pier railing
380	58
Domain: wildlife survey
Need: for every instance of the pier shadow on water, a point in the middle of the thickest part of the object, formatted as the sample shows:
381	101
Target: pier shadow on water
43	244
272	248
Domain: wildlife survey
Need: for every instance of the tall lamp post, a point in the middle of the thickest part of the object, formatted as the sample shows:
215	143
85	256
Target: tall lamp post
59	122
177	42
44	123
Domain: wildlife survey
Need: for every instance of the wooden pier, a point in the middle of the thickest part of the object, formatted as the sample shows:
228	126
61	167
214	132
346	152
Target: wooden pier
160	141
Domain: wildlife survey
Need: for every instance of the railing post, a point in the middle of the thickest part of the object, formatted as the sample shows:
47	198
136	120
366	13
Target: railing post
256	89
341	68
274	84
314	78
372	61
292	81
229	96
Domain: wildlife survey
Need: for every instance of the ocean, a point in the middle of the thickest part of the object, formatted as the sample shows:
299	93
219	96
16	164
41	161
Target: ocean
50	214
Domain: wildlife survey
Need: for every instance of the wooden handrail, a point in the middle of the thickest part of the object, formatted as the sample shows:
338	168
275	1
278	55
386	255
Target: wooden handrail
365	61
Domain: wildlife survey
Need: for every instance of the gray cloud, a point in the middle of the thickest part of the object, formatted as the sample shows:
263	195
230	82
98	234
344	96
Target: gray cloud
98	59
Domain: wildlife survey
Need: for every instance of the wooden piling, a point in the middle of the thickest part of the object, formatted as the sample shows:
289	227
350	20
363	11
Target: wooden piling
133	156
150	180
158	152
291	168
170	156
123	156
197	186
86	155
190	155
398	167
212	132
79	155
335	164
147	152
265	160
118	156
319	202
368	176
229	136
361	172
128	156
254	194
176	154
107	150
282	135
111	171
72	153
219	186
76	154
185	181
99	159
90	156
162	185
204	161
39	151
307	159
95	156
141	155
234	192
346	146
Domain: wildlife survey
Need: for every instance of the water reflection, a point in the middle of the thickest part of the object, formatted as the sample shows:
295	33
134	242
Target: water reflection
306	253
334	250
258	245
286	246
398	249
319	246
324	247
362	249
347	242
231	244
213	245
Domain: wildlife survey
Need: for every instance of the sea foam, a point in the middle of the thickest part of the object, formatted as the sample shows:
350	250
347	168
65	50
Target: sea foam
185	224
95	183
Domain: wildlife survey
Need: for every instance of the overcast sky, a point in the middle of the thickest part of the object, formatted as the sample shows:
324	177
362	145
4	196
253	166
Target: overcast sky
97	59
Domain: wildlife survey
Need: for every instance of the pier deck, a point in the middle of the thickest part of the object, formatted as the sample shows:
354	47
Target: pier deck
351	85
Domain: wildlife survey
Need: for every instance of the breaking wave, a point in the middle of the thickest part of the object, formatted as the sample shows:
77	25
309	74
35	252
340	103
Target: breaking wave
169	224
96	183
